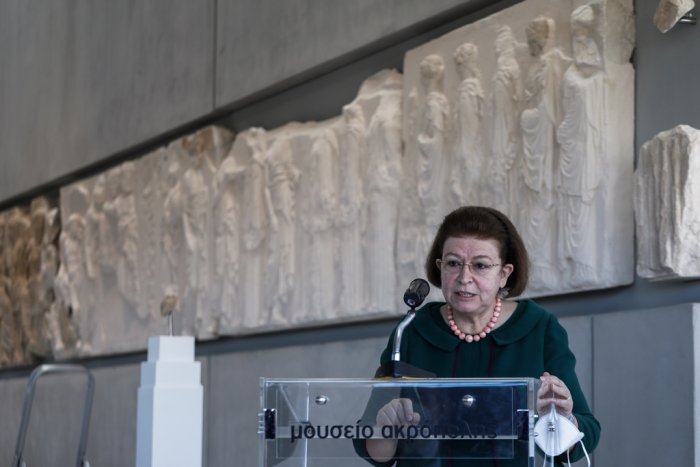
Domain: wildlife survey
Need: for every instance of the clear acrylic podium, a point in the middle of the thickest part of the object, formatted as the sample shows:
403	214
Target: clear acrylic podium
321	422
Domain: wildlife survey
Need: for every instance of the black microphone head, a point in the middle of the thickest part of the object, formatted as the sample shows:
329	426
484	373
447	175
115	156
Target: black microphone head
416	292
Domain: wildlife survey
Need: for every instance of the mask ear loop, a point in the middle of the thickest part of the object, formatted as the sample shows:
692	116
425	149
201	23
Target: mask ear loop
568	460
588	459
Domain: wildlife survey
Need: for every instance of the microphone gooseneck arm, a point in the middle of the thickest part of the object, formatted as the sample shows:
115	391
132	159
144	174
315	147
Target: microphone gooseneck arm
396	354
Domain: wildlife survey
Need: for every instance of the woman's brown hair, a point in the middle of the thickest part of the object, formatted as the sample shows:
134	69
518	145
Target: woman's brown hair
483	223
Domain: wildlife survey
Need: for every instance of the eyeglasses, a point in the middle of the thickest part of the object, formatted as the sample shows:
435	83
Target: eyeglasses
477	268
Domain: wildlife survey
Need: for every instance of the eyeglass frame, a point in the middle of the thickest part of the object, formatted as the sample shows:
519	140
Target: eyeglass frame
469	265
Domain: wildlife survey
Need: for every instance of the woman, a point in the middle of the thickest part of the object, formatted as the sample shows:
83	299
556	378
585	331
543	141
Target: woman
478	259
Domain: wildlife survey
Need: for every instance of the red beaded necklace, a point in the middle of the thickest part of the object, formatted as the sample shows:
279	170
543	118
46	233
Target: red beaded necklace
479	335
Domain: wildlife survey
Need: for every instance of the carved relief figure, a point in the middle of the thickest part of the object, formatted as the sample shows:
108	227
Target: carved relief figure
72	315
122	212
71	274
583	149
31	340
469	154
101	249
18	268
103	225
412	240
50	260
431	141
255	223
41	293
197	201
384	149
173	236
351	166
208	146
280	273
151	171
316	214
538	123
6	311
655	208
94	217
507	90
227	242
61	331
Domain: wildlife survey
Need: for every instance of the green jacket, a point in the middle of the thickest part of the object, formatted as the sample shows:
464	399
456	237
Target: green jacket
531	342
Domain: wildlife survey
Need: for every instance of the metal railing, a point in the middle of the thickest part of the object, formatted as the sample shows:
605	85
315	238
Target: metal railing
39	371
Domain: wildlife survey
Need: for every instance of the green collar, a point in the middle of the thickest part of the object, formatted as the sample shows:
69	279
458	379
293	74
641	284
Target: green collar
430	325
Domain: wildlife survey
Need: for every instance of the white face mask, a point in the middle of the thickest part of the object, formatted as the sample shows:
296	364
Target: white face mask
555	435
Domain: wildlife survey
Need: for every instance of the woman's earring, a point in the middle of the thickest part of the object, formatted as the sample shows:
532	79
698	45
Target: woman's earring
503	292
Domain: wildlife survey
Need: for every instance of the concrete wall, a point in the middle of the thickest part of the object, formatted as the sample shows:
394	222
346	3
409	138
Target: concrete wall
645	385
83	81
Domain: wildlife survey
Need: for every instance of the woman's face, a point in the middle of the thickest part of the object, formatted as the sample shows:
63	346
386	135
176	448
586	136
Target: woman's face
472	289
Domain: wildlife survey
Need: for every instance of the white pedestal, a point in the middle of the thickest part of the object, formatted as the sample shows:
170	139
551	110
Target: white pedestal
170	405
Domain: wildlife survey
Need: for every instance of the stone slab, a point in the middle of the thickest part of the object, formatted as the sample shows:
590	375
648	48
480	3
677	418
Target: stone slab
667	205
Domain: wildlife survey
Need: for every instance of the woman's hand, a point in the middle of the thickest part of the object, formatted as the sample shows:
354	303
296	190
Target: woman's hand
554	391
398	412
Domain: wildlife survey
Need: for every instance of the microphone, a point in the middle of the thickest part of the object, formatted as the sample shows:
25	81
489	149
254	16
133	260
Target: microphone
416	293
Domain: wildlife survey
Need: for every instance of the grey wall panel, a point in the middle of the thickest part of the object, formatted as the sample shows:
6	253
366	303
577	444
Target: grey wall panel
580	330
11	400
234	397
644	385
204	362
82	81
667	67
113	424
264	42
